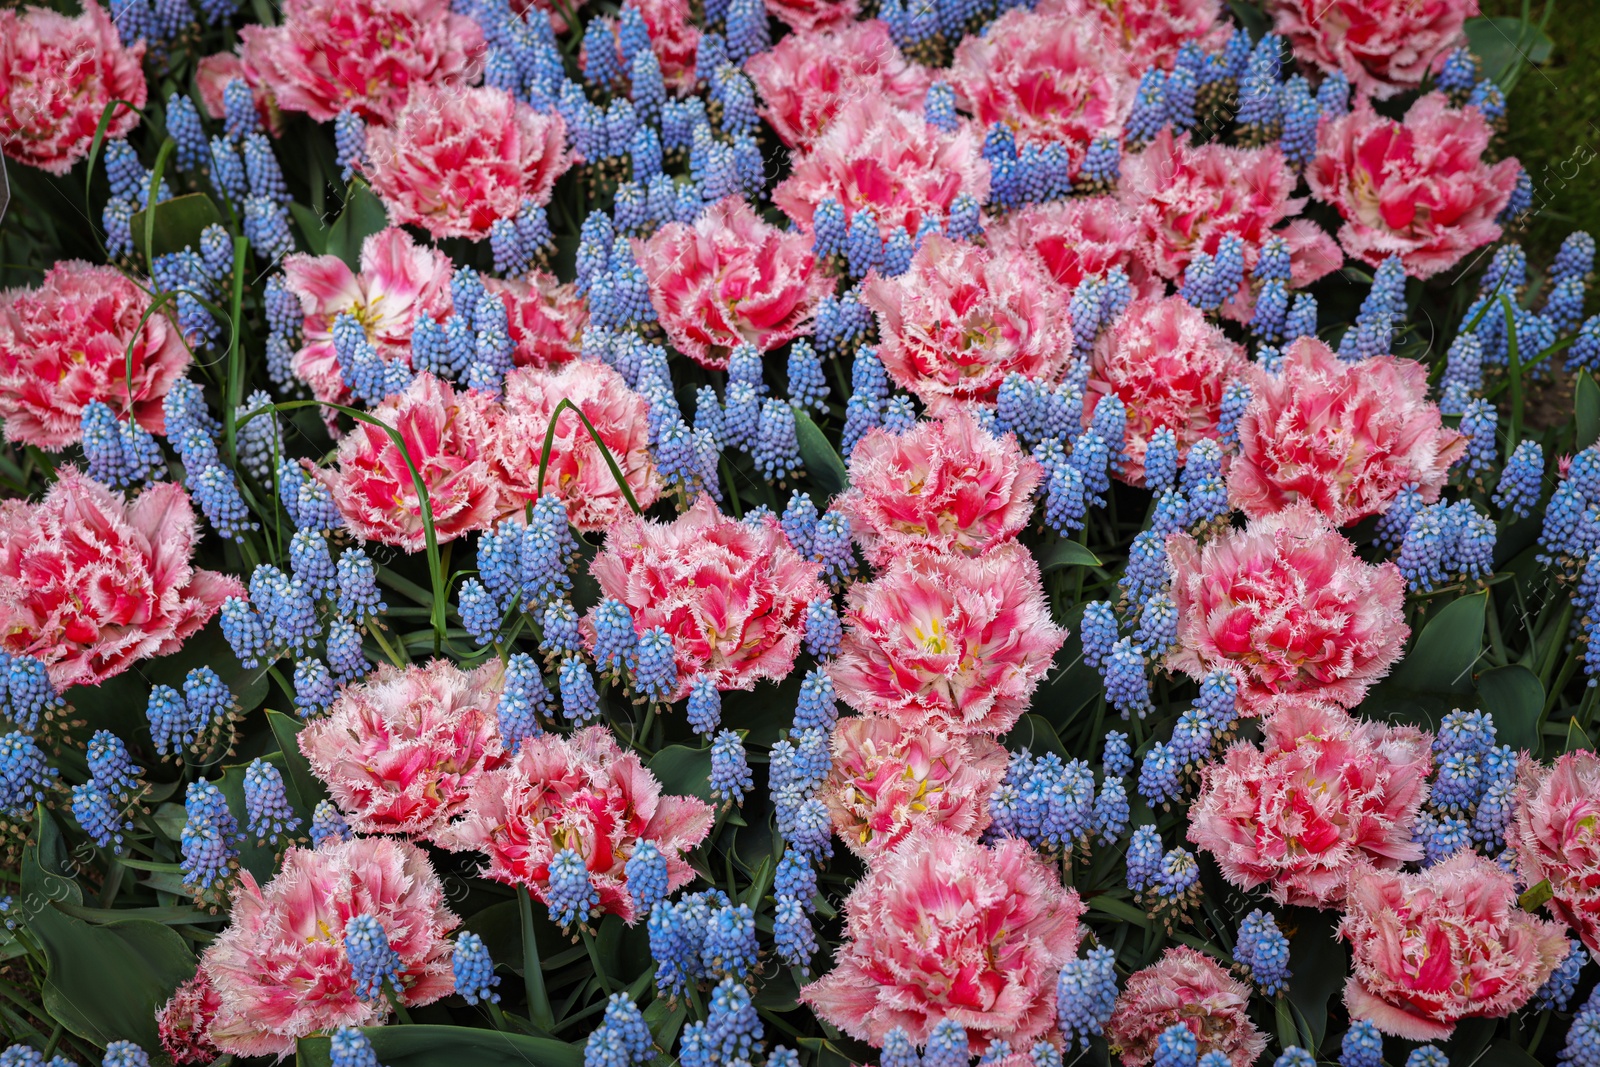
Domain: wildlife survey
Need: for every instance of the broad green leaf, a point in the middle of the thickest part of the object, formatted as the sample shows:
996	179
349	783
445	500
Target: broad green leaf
1577	740
48	871
451	1046
1586	401
1067	554
683	770
1442	657
821	458
1505	44
363	216
178	223
1318	964
105	982
286	728
1034	733
1514	696
313	231
1503	1053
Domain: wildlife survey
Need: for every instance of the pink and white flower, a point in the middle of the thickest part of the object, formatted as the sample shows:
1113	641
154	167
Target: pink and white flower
1557	837
1287	607
731	595
57	74
400	751
456	160
809	76
962	318
729	279
367	55
211	77
447	436
1325	794
1050	78
1187	987
184	1022
805	15
1383	46
91	583
1169	366
76	339
950	639
944	485
1419	189
280	970
1147	33
584	793
945	928
399	282
1445	944
1344	437
545	317
674	38
1188	198
577	474
1078	238
879	156
890	780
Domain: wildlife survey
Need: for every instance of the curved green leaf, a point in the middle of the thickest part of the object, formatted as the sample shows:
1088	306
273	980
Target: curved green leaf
105	982
1586	404
1441	659
683	770
363	216
1067	554
821	459
1514	696
451	1046
176	224
286	728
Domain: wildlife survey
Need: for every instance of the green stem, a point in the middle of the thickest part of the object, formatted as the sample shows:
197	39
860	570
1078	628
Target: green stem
594	958
532	971
394	656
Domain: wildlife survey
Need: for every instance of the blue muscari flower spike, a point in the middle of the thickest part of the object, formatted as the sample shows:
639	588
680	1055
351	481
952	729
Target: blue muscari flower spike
730	947
1086	993
268	813
808	388
939	106
1263	950
1150	111
24	774
571	895
480	616
210	836
266	227
350	142
187	132
745	365
359	599
116	220
898	1051
314	688
346	659
1480	424
897	252
863	243
793	935
1489	99
834	552
812	830
128	178
1558	989
616	643
777	447
474	970
1583	1039
742	416
1102	164
948	1046
125	1054
824	632
1300	117
525	695
1161	461
1302	320
311	563
1458	74
348	1046
1099	631
1176	1046
261	168
1295	1056
102	817
1362	1045
580	702
372	960
602	62
1127	685
1333	95
110	766
1426	1056
829	229
1111	811
708	416
172	727
622	1039
817	705
656	675
328	824
227	170
1158	775
207	696
646	874
966	218
705	706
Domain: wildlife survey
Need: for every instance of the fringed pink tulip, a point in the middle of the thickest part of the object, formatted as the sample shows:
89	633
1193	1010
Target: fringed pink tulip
729	279
945	928
1383	46
447	436
83	336
953	326
280	969
184	1022
91	582
1287	607
1446	944
731	595
1187	987
545	317
1169	366
1324	794
945	485
1078	238
1420	189
890	780
580	792
1344	437
1557	837
400	751
948	639
1147	33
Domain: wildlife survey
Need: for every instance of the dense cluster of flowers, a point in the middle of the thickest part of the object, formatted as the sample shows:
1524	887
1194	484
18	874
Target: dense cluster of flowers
522	483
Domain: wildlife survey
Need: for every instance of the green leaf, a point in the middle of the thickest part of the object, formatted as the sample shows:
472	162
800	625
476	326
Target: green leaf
178	222
105	983
821	458
48	870
363	216
286	728
1514	696
683	770
1586	400
259	860
1317	966
313	231
1067	554
1576	739
1441	658
1504	1053
450	1046
1505	44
